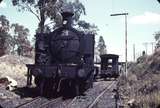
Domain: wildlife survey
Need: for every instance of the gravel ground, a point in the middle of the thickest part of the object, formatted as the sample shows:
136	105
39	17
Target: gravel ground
8	99
91	94
60	104
107	101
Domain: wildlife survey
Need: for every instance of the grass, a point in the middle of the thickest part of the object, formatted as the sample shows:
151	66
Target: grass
143	82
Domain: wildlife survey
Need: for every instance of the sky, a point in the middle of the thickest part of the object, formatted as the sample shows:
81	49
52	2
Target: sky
142	22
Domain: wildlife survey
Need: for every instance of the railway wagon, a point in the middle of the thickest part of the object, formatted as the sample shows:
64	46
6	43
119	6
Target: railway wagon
64	60
109	66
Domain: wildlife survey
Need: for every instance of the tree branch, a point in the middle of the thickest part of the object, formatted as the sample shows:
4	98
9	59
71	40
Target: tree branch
29	8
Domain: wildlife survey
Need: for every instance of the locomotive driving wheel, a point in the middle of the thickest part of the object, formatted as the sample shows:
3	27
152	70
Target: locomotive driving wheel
77	87
46	86
50	87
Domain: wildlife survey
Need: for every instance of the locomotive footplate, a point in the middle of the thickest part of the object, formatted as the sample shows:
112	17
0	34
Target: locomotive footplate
69	71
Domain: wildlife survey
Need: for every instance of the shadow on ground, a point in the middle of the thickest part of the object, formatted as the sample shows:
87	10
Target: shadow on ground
24	92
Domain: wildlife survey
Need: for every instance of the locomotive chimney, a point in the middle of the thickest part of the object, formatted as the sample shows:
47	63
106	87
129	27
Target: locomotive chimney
67	18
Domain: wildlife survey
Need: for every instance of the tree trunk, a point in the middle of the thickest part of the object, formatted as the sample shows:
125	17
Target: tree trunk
41	23
42	16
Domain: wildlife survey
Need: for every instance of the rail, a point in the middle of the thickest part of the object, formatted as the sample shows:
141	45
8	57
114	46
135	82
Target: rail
100	95
28	103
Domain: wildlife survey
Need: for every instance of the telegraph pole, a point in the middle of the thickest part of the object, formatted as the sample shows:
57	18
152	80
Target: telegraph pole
152	43
125	14
146	46
134	57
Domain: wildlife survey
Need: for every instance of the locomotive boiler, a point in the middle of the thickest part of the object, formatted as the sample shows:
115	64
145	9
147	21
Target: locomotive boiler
64	60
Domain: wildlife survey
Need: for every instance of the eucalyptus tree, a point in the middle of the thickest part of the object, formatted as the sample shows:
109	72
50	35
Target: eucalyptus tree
42	9
21	43
157	38
87	27
49	9
101	46
4	35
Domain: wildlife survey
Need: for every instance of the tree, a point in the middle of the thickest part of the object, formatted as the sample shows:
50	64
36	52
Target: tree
42	9
158	1
101	46
76	7
4	35
13	37
49	9
157	38
4	24
21	44
87	27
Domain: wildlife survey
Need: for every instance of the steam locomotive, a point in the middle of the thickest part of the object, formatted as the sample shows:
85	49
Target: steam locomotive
64	60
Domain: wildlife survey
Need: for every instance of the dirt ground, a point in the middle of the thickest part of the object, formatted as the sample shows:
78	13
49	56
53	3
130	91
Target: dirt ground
15	67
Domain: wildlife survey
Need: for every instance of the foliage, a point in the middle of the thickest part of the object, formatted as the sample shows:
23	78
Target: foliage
10	43
157	38
4	24
51	9
142	83
21	44
87	27
101	46
42	9
4	36
158	1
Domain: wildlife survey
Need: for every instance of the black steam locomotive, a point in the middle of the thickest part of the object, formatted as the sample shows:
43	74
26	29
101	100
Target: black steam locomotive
64	60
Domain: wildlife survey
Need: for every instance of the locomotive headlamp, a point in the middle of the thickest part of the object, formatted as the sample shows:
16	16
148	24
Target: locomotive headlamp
59	72
81	73
65	22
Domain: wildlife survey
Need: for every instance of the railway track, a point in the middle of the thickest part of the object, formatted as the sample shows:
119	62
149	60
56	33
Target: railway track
40	102
93	95
95	101
34	103
91	99
51	103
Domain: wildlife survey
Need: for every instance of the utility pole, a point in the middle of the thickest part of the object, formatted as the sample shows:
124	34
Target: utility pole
125	14
152	43
146	46
134	57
